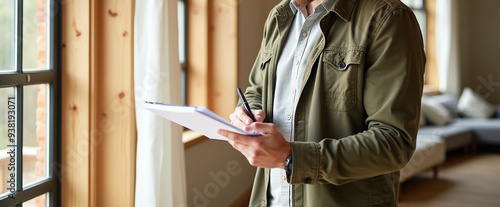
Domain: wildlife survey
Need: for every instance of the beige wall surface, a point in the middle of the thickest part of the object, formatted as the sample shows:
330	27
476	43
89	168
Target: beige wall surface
252	15
479	39
216	175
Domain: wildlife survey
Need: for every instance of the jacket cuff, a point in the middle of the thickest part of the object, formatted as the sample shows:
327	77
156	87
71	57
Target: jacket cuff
306	163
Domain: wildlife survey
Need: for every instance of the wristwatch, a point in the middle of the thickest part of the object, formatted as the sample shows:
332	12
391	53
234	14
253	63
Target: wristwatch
288	164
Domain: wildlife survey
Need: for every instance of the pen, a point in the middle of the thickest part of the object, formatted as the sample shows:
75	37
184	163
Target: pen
245	104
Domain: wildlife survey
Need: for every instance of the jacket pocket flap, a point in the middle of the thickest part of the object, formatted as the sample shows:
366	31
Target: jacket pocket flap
341	59
264	59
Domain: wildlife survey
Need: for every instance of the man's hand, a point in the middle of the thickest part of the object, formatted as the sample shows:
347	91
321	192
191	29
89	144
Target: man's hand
240	118
267	151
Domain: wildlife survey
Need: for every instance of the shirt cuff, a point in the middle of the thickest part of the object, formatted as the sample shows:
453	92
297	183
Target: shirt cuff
306	163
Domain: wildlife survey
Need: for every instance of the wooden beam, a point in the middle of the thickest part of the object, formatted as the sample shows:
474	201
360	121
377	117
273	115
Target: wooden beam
223	59
113	117
75	104
98	115
212	55
197	52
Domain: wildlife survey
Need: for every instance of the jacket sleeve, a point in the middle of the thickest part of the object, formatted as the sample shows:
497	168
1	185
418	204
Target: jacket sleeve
393	84
254	92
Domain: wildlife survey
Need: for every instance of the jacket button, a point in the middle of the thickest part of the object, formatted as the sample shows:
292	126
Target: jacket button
342	65
307	180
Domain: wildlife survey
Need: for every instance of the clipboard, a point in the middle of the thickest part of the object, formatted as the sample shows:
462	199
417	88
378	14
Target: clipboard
196	118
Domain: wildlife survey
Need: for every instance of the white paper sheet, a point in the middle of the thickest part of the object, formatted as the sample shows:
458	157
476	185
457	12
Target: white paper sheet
196	118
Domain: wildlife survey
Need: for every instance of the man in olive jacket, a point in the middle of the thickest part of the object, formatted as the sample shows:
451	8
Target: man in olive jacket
354	111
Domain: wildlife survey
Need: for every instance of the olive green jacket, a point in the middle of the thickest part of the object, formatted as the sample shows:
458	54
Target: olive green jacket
356	120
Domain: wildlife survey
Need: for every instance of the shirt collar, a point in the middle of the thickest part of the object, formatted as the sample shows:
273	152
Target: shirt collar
325	5
343	8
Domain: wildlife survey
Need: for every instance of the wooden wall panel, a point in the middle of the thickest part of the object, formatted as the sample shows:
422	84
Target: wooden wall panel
113	168
197	52
223	59
98	115
75	104
212	55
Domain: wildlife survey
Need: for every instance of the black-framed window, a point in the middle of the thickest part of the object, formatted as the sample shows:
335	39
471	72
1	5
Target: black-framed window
29	102
182	14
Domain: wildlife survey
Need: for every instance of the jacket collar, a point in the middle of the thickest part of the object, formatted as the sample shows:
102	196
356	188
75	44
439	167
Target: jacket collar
343	8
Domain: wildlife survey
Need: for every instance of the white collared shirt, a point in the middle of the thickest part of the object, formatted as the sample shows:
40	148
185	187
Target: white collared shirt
303	35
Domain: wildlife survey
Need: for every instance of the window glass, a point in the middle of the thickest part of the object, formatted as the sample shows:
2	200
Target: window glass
26	111
35	40
414	4
34	133
181	11
8	134
7	19
39	201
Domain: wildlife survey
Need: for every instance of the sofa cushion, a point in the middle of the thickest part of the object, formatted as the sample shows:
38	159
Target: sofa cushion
485	130
435	112
429	152
473	105
454	136
449	101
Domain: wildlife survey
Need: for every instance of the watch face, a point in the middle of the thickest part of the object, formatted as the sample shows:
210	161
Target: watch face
288	163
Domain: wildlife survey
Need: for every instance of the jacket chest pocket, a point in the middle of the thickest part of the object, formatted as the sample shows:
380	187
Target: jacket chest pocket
265	60
340	78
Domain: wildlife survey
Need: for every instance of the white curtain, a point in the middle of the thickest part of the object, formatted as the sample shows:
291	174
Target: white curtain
160	168
447	46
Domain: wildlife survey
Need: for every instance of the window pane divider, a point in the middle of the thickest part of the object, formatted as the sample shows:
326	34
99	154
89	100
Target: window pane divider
19	138
39	77
30	192
19	36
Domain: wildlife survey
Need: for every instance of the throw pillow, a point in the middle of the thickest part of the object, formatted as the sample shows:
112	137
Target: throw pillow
473	105
449	101
435	112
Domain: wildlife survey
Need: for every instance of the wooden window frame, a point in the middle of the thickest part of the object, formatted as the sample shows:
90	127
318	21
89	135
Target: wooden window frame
431	75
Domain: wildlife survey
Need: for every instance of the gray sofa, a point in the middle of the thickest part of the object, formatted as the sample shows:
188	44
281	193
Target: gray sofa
434	141
462	132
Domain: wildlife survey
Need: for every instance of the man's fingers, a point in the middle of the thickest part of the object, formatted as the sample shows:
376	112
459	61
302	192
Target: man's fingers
241	113
259	115
263	128
239	142
236	121
240	139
